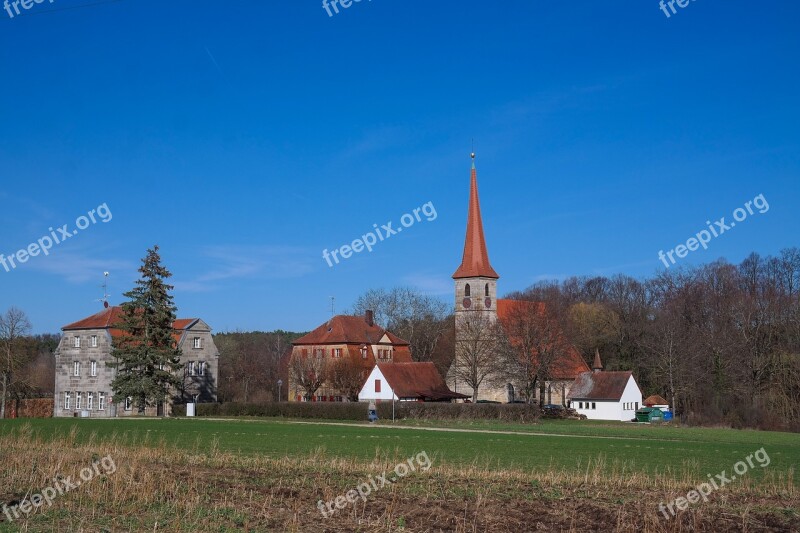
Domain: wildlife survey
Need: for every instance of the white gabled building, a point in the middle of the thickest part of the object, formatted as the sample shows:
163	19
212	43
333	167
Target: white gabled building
406	382
605	395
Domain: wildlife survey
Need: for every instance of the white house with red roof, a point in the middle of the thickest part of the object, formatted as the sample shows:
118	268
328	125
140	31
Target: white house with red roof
406	382
605	395
83	375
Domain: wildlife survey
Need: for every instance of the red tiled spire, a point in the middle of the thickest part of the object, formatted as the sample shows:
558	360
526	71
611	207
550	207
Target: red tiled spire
475	262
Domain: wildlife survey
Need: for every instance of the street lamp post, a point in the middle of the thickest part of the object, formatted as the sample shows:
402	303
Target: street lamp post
280	384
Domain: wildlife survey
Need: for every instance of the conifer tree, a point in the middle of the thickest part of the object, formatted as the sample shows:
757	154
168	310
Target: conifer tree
147	356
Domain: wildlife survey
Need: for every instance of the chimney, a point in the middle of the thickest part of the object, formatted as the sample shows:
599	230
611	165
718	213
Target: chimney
369	316
598	364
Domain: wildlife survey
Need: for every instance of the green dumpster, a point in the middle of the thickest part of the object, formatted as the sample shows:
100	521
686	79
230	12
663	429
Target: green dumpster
649	414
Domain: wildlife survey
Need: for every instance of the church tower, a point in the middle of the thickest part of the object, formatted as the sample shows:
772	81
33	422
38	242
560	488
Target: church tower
475	279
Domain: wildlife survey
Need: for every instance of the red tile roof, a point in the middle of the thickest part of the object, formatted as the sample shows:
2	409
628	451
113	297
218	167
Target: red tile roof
417	380
655	399
568	367
475	262
347	329
599	386
110	317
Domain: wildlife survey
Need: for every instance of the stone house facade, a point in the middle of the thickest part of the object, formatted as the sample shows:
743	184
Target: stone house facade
83	375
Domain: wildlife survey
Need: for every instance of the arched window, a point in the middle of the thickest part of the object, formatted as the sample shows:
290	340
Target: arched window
487	290
467	290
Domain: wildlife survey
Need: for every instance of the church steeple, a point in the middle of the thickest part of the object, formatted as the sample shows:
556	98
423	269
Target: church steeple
475	261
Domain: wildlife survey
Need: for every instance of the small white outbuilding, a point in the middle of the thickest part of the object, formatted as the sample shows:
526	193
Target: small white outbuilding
605	395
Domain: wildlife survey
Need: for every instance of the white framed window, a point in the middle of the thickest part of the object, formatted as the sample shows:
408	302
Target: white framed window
76	368
101	401
128	403
191	368
94	368
90	400
78	400
76	342
67	400
337	352
198	343
93	341
201	368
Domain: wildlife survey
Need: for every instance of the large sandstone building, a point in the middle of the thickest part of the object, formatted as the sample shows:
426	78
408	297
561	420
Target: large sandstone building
355	338
83	374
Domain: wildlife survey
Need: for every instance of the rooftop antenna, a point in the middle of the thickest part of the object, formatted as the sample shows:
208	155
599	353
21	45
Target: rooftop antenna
104	299
333	306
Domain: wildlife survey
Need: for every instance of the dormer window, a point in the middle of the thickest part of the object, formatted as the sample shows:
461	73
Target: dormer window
363	352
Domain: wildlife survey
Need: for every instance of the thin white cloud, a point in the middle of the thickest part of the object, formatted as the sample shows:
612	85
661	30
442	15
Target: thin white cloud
434	285
77	267
245	262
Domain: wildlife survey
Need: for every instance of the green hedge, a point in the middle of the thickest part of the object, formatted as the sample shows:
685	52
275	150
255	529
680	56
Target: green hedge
358	411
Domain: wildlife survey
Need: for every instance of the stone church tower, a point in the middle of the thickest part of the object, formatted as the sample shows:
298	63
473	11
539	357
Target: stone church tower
475	289
476	280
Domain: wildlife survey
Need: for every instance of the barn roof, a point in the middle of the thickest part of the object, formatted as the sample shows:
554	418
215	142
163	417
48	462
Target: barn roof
599	386
417	380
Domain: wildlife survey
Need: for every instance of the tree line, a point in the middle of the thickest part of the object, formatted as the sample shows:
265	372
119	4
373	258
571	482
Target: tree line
720	341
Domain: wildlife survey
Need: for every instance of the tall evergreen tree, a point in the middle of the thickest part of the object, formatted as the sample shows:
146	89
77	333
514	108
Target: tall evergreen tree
147	356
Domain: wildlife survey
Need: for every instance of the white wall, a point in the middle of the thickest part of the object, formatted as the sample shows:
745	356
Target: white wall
368	390
612	410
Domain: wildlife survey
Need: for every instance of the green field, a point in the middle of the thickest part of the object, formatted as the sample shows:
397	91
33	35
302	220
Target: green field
269	475
561	444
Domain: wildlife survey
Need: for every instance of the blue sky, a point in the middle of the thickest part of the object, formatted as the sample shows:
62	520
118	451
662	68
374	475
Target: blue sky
244	137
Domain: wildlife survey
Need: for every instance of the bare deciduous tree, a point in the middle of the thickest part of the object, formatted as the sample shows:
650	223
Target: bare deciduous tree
309	372
477	351
14	326
346	375
533	346
418	318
